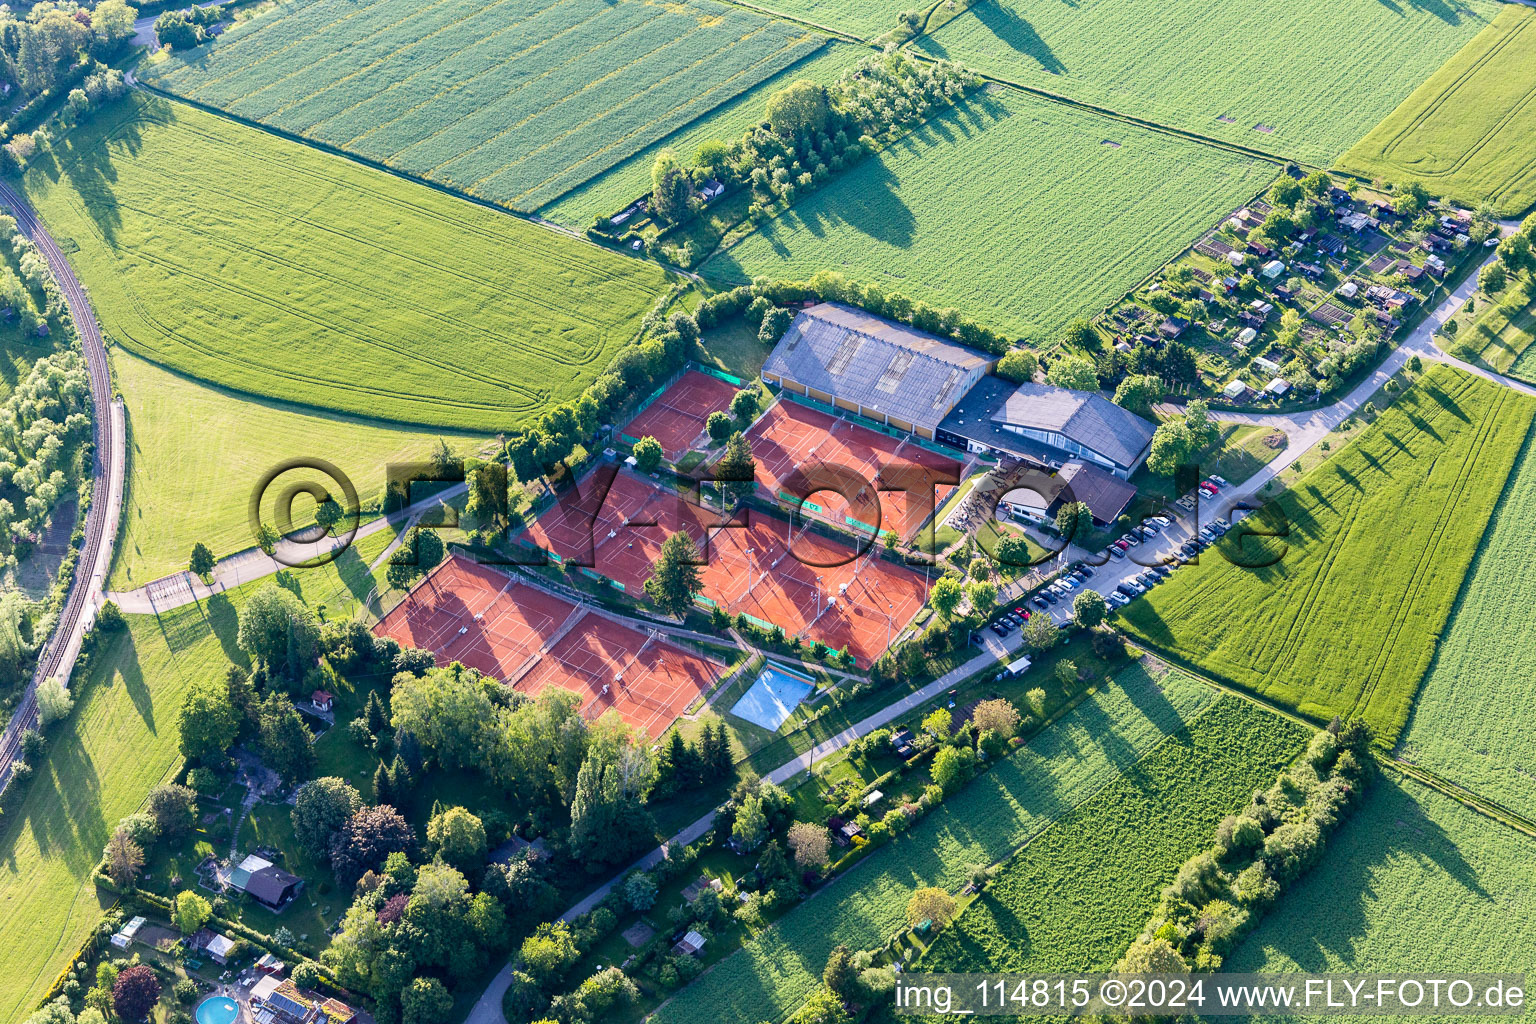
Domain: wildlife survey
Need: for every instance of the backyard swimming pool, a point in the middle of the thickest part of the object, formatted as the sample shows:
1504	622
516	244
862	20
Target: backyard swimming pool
218	1010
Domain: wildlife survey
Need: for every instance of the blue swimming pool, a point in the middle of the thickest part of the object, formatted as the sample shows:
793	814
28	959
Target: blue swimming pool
218	1010
773	696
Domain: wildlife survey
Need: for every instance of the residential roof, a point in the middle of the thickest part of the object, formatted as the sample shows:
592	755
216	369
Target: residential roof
263	989
270	884
881	365
220	945
1105	495
1086	417
253	864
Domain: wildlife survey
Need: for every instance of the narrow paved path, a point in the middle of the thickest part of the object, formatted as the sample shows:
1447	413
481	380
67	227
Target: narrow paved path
58	655
182	588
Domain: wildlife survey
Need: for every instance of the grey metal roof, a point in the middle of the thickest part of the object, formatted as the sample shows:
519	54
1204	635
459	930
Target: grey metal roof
1086	417
877	363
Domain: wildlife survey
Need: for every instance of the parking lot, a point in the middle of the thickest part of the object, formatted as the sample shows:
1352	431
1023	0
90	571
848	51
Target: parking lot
1131	566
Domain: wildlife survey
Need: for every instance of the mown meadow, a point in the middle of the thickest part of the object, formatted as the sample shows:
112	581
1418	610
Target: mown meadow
269	268
1473	721
1075	897
1413	883
1336	611
1468	130
1505	329
1229	71
1023	211
1056	770
516	102
183	490
120	742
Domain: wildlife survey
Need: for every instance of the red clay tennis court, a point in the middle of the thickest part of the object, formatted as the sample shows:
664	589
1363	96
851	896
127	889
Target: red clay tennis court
520	634
825	590
676	419
840	467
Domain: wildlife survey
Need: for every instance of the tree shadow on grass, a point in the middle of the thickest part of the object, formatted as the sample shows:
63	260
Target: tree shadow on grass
1007	25
1324	917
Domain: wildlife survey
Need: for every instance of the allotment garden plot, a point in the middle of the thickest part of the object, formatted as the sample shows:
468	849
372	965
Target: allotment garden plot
1469	130
531	640
1474	722
1338	610
264	266
516	101
1025	213
1285	78
813	586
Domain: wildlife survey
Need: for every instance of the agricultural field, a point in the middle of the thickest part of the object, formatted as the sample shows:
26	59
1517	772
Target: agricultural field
1281	78
1473	721
863	18
1413	883
1075	897
512	101
182	490
269	268
1468	130
627	181
1059	768
120	742
1055	214
1369	549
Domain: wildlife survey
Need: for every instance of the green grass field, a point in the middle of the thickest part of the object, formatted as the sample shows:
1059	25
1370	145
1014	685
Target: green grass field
1413	883
513	101
273	269
1344	617
182	489
625	182
1291	68
1474	722
1075	897
1468	131
1013	208
120	743
1504	327
1059	768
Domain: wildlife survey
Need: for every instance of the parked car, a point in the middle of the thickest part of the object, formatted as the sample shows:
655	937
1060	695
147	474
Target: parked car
1128	588
1118	600
1120	546
1117	552
1086	571
1039	602
1210	482
1163	521
1131	539
1219	480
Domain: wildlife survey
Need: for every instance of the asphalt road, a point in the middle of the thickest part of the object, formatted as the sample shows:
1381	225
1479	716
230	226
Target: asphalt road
107	474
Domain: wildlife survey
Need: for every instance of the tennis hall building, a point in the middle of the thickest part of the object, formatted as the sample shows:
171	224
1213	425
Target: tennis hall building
885	371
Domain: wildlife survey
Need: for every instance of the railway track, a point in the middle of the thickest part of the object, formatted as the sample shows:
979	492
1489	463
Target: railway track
51	659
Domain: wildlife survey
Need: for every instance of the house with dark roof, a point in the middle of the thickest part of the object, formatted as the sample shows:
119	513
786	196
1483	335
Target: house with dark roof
1047	426
877	368
273	886
1105	495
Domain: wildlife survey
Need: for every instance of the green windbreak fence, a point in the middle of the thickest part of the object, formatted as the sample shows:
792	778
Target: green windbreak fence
721	374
